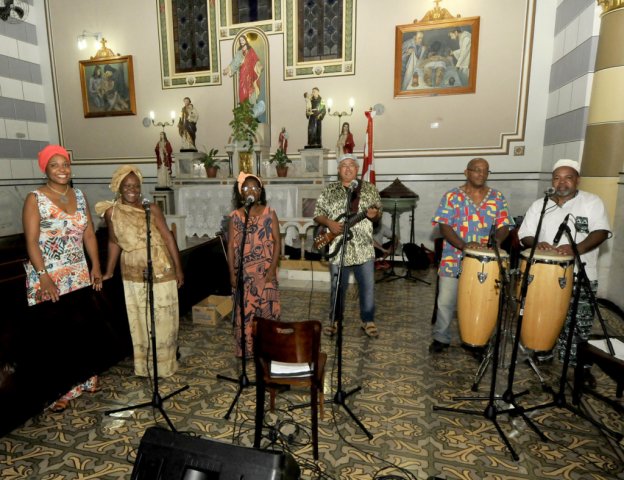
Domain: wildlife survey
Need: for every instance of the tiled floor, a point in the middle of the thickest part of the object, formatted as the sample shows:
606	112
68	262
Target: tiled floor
400	384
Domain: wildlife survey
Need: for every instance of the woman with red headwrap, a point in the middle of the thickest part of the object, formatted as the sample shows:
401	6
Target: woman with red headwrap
57	228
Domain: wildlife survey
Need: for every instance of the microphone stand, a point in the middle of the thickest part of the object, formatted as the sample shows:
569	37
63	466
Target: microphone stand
157	400
341	396
559	397
509	396
239	299
491	411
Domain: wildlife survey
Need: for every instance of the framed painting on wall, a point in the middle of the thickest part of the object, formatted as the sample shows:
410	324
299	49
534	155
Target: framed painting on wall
436	58
107	86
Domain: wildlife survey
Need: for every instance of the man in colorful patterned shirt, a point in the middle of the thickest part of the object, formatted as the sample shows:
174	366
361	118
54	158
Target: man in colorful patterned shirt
465	217
359	256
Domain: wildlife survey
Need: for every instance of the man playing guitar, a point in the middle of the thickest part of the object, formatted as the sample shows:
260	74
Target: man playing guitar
359	256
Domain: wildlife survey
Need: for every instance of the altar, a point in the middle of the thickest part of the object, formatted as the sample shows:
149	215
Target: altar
205	206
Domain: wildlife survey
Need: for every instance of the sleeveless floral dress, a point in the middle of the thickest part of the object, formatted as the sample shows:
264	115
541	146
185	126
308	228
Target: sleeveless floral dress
60	242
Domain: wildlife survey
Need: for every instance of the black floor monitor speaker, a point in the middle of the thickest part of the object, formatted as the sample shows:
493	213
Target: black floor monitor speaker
165	455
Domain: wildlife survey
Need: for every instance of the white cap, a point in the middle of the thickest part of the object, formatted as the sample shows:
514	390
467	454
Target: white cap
347	156
566	162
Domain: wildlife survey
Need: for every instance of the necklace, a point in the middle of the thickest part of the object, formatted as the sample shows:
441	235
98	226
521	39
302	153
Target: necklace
63	195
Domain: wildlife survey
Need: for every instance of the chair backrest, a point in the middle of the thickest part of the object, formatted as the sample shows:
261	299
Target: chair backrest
289	342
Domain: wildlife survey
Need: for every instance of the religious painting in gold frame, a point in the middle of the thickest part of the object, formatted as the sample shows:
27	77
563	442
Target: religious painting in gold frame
436	58
107	86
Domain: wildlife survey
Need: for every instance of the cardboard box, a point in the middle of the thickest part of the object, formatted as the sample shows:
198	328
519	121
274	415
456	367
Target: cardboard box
212	309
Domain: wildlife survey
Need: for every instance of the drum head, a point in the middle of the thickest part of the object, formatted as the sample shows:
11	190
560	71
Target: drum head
483	254
547	256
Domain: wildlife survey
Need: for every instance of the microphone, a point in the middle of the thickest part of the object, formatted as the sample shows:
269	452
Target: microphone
249	201
353	185
491	237
549	191
562	228
146	204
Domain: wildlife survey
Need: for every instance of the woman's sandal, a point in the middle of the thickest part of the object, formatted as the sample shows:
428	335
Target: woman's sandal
370	329
92	385
60	405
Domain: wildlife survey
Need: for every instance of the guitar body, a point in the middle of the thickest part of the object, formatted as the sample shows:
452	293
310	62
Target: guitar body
324	236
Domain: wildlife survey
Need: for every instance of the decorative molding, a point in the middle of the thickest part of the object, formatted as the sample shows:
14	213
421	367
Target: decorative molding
610	5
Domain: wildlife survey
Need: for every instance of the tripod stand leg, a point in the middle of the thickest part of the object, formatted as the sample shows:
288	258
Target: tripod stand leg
503	437
340	399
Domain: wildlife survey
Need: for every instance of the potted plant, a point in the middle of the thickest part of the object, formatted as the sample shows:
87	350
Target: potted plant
244	126
281	161
211	164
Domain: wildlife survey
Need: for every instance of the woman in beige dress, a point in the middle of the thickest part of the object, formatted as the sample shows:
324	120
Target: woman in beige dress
127	229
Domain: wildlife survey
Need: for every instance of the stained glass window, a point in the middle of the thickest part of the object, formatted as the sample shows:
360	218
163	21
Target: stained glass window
191	35
319	30
244	11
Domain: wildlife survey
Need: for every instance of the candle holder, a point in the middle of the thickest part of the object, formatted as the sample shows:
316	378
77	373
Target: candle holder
152	117
229	149
258	152
330	104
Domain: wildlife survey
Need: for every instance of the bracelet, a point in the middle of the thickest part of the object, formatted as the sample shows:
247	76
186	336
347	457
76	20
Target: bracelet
43	271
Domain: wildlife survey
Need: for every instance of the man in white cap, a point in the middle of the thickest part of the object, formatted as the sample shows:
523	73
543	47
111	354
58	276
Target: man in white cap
359	256
589	224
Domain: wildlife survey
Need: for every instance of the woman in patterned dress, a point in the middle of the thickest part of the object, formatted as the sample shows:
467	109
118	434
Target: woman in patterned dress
260	257
127	238
57	228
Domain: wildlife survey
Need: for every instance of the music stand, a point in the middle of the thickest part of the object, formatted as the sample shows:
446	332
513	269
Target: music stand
157	400
405	204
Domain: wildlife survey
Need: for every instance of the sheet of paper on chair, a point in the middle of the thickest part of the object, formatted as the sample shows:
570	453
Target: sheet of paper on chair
281	369
618	347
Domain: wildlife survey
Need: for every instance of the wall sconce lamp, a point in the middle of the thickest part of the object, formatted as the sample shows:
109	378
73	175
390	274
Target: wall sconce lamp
330	104
82	38
150	121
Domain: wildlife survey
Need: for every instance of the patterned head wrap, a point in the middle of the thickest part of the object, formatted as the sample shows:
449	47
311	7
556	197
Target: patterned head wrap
121	173
242	176
48	152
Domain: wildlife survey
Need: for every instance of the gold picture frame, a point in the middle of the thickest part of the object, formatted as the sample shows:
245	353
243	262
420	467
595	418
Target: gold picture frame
436	58
108	86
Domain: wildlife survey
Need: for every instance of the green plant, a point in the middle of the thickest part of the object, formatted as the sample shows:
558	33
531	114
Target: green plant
244	125
280	158
209	158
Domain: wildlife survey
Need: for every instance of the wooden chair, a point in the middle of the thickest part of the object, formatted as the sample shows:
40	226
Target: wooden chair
289	343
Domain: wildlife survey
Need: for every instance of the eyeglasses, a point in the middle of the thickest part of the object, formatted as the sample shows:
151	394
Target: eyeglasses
252	188
479	171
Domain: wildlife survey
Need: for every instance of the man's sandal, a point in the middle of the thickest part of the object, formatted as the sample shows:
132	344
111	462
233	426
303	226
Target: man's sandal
370	329
330	330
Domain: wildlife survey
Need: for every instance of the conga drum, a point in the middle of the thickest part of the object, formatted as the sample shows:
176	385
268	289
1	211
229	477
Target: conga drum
477	296
547	299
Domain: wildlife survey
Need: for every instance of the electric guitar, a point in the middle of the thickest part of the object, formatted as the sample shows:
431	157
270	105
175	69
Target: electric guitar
325	236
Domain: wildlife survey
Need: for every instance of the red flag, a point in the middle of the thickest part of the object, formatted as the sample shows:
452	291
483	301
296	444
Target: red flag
368	167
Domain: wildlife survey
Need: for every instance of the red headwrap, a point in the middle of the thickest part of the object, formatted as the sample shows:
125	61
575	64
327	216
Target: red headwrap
48	152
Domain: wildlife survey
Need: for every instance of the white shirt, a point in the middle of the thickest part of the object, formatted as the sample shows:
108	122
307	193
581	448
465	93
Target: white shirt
587	214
